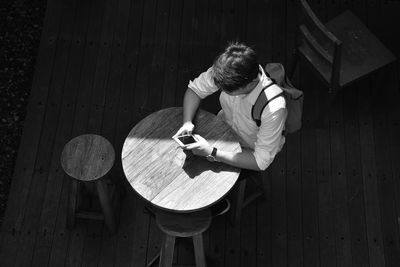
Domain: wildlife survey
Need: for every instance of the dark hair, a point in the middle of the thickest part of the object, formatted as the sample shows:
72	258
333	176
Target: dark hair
236	67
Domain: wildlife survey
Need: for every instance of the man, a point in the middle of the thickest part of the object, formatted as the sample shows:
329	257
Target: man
237	73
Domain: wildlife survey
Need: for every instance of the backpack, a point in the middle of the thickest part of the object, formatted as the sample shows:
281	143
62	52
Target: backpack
293	97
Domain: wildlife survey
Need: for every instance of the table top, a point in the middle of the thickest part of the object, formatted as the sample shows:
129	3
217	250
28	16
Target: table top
167	176
87	157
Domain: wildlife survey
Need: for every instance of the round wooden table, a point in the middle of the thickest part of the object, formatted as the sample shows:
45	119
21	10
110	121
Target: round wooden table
167	176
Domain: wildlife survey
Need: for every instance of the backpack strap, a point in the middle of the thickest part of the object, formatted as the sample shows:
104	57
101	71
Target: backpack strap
269	76
261	102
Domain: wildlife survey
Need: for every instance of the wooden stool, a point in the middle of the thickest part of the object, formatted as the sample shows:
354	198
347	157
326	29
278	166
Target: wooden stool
182	225
88	158
240	200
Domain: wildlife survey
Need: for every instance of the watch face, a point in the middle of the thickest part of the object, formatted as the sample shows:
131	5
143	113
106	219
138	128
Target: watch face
210	158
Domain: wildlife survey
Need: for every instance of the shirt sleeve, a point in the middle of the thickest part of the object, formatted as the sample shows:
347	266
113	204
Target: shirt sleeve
203	85
269	138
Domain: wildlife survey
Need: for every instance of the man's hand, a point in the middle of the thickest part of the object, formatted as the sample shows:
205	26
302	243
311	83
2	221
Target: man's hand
201	148
187	128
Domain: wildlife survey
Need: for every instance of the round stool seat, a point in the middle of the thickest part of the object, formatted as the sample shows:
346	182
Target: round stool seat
183	224
87	157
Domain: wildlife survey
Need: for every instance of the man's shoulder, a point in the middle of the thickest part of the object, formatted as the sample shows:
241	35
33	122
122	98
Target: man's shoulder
276	100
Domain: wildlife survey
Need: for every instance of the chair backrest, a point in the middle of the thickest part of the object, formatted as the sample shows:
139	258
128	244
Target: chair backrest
326	47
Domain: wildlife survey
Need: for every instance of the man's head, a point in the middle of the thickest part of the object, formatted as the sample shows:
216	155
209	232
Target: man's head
236	70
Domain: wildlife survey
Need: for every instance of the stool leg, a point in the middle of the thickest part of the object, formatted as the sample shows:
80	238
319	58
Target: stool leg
72	199
105	203
238	200
167	251
199	251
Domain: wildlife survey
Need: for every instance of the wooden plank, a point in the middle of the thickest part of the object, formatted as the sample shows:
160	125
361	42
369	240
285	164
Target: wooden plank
199	53
172	54
185	65
61	238
158	58
212	50
368	163
102	68
294	200
386	18
81	233
254	15
393	120
379	13
386	188
326	206
387	15
267	236
263	24
140	228
56	180
186	68
216	237
264	240
25	161
100	244
155	100
309	177
108	245
128	222
31	212
234	20
293	156
339	185
146	51
326	215
355	185
278	220
140	233
248	235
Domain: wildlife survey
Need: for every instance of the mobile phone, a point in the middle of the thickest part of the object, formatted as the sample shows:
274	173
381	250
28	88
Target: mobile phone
184	140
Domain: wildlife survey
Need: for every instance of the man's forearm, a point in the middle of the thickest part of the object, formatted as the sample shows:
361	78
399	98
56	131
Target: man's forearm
191	102
244	159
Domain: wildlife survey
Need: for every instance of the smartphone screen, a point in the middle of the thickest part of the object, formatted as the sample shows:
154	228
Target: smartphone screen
186	139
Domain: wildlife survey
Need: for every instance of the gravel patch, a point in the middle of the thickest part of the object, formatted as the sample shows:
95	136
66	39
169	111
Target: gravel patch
20	29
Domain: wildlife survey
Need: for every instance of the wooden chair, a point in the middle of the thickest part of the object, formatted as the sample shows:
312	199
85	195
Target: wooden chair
240	199
175	225
340	52
87	159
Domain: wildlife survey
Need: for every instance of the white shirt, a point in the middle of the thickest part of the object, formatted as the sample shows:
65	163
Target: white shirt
265	141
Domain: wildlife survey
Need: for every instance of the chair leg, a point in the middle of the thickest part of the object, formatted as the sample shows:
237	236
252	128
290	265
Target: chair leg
167	251
105	204
199	251
238	200
72	203
154	260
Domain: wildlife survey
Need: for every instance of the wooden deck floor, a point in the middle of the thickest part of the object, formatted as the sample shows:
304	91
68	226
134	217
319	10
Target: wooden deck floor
103	65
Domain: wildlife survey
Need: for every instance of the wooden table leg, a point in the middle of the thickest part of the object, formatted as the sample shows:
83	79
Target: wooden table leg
72	201
105	203
167	251
199	250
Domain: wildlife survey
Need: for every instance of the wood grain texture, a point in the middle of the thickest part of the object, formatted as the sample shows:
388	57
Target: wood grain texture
170	178
87	157
104	65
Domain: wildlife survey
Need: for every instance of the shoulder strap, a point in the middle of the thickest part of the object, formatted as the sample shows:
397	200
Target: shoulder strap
261	102
269	76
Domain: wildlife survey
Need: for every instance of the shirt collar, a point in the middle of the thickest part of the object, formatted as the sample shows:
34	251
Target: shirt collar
264	81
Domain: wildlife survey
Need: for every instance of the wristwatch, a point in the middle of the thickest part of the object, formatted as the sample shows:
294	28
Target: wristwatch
213	155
